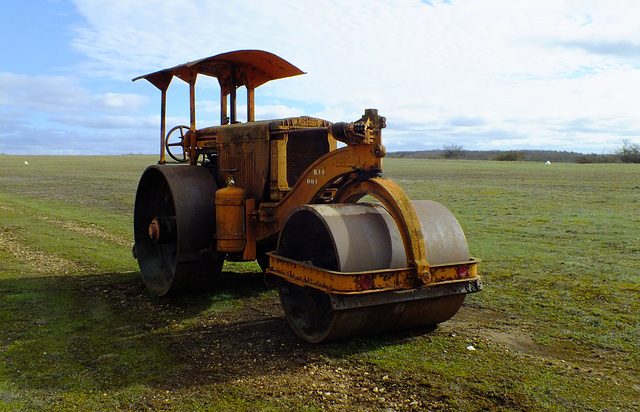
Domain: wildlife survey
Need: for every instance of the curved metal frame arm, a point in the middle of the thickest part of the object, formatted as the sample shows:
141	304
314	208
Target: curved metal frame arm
340	164
397	202
319	176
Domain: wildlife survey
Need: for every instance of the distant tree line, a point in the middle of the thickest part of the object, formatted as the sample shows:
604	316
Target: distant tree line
597	158
451	151
511	156
627	153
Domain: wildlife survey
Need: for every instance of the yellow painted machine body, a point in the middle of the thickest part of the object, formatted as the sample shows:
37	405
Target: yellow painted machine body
283	192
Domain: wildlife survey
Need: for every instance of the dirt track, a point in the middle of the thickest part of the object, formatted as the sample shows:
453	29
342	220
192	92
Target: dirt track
254	349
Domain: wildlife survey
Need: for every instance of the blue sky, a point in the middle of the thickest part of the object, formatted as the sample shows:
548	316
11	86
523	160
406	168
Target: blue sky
484	74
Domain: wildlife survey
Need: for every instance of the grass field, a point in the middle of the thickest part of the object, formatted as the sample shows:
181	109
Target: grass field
556	328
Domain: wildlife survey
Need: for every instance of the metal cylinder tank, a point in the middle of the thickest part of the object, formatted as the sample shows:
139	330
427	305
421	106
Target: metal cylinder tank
230	215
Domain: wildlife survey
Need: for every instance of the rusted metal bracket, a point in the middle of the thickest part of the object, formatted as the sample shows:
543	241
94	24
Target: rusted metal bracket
436	290
333	282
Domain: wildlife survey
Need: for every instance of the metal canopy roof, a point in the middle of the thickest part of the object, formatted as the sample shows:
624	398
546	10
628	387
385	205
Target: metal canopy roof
250	68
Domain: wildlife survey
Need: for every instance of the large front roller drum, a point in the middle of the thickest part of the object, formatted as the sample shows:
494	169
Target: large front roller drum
364	237
174	225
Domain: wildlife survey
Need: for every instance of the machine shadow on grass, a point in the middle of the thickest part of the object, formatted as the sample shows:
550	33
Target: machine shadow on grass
106	331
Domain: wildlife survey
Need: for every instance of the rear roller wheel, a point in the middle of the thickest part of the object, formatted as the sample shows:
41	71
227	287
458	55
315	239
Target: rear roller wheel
363	237
174	223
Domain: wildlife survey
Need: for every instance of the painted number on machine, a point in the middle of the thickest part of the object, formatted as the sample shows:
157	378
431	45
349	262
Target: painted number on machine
316	172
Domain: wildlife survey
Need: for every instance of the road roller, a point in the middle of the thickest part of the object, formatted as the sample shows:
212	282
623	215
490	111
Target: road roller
349	252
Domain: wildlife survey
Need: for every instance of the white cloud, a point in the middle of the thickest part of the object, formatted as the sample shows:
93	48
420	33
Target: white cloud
44	114
109	122
61	94
45	93
119	101
481	73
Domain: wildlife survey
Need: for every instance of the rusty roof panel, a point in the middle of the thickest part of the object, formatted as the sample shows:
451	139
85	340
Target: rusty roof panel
251	68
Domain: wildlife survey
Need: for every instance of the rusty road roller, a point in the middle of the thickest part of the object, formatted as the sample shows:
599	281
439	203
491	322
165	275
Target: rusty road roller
283	192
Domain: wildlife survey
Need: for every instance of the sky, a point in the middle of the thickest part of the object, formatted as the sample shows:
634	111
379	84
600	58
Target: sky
482	74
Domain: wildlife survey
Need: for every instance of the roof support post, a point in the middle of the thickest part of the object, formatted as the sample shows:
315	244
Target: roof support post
232	87
192	103
163	124
251	104
223	108
249	68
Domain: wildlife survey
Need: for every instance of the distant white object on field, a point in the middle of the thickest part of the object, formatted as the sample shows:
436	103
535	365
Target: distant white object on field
547	162
25	162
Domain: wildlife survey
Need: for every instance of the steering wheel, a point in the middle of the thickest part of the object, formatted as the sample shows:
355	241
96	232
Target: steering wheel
183	130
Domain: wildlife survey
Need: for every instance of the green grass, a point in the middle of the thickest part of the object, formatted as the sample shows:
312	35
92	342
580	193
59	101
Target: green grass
560	245
560	248
558	242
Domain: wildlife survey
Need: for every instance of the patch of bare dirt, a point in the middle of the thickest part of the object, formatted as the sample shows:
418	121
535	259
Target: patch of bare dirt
36	260
90	230
517	338
86	229
253	348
